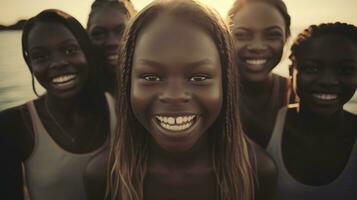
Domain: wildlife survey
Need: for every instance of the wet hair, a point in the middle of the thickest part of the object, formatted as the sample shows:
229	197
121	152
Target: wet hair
125	6
54	16
278	4
232	153
314	31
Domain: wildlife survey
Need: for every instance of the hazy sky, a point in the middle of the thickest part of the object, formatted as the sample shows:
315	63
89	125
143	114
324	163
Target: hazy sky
303	12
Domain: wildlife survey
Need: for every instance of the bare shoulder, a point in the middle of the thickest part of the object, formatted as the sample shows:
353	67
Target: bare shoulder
16	131
267	173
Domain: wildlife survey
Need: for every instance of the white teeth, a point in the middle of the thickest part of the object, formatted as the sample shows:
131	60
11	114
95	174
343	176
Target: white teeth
63	78
326	96
176	127
256	61
113	57
178	123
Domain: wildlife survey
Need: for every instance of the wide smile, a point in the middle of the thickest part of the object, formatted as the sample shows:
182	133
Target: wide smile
112	57
176	123
325	98
255	64
64	81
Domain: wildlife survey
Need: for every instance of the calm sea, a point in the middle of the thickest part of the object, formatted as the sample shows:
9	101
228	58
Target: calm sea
15	78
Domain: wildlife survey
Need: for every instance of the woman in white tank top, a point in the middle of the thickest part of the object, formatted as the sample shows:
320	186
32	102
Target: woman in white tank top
56	135
314	143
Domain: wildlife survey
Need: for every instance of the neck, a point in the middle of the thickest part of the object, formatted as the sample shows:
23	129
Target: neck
199	154
321	123
260	88
78	104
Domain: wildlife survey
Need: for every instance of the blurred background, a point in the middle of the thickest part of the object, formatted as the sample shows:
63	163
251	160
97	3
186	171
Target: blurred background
15	78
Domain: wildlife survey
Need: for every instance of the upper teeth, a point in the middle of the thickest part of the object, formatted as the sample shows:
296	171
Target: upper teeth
113	57
178	123
256	61
176	120
63	78
326	96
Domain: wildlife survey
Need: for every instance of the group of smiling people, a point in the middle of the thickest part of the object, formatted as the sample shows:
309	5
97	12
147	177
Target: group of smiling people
173	102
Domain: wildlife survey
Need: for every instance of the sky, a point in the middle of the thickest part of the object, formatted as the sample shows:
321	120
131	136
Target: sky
303	12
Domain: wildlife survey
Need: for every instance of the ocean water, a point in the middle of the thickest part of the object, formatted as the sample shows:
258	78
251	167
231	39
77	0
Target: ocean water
15	78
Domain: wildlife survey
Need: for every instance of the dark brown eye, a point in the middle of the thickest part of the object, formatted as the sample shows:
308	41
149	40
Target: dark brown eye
199	78
151	77
346	70
274	35
71	49
242	35
39	57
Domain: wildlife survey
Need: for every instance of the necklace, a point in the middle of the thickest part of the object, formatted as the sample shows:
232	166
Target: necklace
64	132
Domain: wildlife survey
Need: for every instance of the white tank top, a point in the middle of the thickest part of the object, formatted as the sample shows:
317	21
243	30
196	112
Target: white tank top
344	187
52	173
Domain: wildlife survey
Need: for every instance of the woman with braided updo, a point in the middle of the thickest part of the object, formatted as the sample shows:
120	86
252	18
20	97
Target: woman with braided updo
106	23
260	29
314	142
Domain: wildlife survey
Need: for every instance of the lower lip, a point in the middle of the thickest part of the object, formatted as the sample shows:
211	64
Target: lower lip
175	134
66	85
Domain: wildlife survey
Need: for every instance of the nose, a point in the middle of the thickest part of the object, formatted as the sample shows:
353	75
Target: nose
58	60
257	44
112	40
175	93
328	78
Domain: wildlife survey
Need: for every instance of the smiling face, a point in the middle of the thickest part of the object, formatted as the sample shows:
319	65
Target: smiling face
106	29
176	84
259	32
326	73
57	60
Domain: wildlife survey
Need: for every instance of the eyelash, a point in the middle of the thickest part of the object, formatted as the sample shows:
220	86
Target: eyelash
153	77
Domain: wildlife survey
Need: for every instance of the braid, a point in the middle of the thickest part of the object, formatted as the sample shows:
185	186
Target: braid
313	31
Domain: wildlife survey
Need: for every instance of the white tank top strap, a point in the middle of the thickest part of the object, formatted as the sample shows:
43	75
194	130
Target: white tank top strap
52	172
111	107
288	188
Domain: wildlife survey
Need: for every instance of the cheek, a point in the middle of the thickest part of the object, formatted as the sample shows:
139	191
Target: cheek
302	84
212	100
40	73
140	99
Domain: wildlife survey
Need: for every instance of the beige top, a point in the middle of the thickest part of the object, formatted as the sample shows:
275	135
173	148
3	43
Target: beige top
53	173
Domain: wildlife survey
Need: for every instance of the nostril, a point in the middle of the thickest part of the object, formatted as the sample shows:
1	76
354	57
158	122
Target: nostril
172	97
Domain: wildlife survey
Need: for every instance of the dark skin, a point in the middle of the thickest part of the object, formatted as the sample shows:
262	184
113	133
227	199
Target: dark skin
177	77
319	137
54	51
260	34
106	28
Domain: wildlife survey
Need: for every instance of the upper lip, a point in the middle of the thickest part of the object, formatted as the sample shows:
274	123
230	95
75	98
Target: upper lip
174	114
53	75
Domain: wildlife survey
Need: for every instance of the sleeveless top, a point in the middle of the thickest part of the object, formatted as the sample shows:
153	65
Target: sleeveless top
258	122
344	187
52	173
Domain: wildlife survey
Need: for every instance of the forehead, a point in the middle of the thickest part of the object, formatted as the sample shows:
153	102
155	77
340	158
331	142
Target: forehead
109	15
47	34
169	40
258	15
329	47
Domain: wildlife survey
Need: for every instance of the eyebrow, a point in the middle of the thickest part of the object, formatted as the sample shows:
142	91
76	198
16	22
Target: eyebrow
63	42
266	29
191	64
